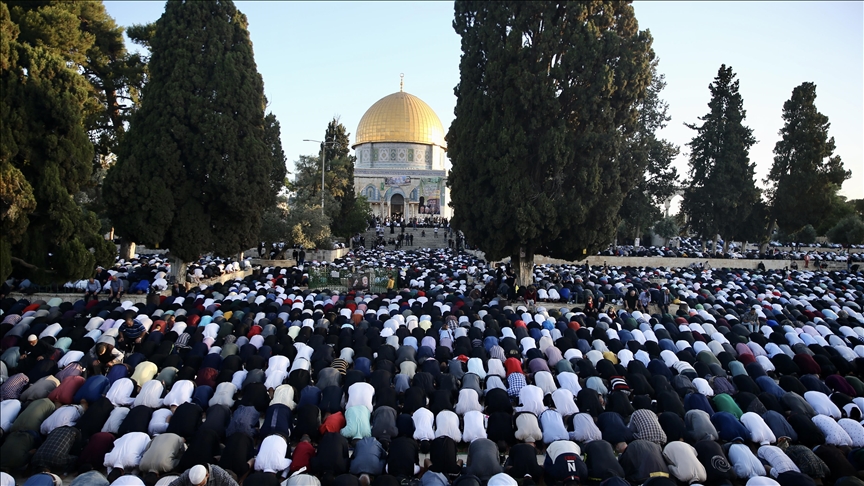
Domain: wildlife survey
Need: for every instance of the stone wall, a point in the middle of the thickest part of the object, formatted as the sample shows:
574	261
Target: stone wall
72	297
134	298
311	256
656	262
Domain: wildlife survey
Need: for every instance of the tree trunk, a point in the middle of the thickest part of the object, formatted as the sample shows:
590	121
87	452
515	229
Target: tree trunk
523	265
703	245
127	249
725	246
178	270
716	240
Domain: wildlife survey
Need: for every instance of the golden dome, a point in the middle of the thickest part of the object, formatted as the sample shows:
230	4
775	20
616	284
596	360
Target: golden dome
400	117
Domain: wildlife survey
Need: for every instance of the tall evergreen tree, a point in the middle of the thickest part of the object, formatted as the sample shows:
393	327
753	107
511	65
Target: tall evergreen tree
806	174
722	190
641	206
116	77
45	153
200	162
546	98
347	213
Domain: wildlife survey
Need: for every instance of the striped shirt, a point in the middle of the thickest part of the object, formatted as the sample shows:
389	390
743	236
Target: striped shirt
134	331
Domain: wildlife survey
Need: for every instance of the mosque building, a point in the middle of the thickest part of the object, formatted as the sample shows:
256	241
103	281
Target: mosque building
402	164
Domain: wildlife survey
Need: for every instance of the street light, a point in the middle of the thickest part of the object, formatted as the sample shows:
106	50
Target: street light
323	158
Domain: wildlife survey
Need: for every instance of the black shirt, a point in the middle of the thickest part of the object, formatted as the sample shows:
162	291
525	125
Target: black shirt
403	454
522	461
442	453
185	421
600	461
136	420
332	455
239	448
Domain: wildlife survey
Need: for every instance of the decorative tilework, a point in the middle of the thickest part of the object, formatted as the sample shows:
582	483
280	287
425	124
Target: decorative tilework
410	155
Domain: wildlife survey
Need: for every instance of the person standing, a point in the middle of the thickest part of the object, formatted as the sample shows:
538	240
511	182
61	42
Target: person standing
666	299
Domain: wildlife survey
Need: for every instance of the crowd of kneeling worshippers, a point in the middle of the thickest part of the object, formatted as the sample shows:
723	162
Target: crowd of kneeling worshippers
258	383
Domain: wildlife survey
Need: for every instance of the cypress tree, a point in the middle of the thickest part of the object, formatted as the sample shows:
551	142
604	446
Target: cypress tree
197	168
546	98
722	190
353	211
805	174
46	155
641	206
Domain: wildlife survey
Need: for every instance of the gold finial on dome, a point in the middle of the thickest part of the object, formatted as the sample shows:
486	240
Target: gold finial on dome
401	81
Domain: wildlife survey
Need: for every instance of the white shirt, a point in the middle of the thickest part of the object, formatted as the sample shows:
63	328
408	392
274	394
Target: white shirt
531	398
683	463
822	404
447	424
238	378
468	401
9	410
564	402
284	394
224	394
274	378
423	419
150	395
159	421
65	415
211	330
53	330
278	363
475	426
559	447
127	451
552	425
760	433
69	358
570	381
834	434
360	394
778	459
128	480
545	381
854	429
120	393
271	455
761	481
181	392
703	387
584	429
112	425
744	463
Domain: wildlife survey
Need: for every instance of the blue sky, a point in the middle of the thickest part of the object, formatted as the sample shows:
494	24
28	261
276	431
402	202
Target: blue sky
320	59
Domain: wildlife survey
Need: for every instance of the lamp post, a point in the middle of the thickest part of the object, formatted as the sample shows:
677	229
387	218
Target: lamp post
323	158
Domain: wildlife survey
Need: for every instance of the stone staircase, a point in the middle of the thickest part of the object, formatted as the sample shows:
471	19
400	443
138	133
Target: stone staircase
428	241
